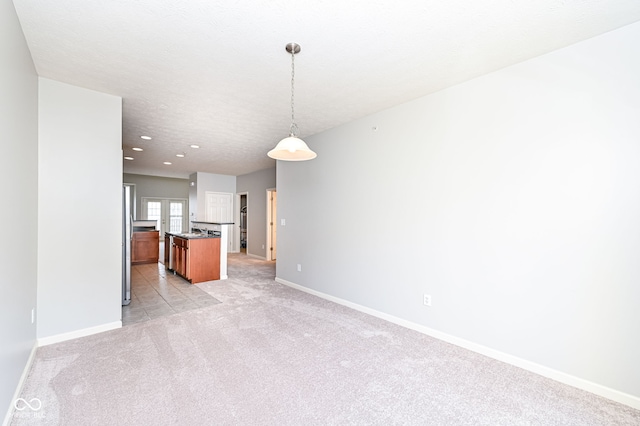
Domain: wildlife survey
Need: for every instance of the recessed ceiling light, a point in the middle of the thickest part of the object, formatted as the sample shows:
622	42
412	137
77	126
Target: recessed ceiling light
180	155
168	163
128	158
137	149
195	146
146	138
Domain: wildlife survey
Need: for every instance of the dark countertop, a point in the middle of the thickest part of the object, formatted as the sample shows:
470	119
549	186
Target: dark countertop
212	223
191	235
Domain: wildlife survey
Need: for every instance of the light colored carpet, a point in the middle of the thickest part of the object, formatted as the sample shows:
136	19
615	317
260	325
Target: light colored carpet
271	355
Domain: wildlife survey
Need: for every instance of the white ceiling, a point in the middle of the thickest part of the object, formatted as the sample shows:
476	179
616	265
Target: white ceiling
216	73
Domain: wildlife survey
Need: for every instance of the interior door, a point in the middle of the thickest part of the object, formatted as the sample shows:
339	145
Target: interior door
219	207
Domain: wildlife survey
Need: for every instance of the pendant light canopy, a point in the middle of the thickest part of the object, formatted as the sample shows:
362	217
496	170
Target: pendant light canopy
292	148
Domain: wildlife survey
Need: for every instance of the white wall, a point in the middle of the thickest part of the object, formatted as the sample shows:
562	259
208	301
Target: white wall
19	212
512	199
256	185
210	182
79	210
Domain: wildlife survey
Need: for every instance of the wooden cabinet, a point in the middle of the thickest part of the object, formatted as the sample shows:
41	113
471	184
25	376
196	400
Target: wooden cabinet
180	247
145	247
197	259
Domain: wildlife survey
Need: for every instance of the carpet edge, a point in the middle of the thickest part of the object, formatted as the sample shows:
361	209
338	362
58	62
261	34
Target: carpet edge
20	385
559	376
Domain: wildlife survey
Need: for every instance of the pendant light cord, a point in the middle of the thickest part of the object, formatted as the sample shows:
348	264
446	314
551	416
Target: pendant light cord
294	126
292	148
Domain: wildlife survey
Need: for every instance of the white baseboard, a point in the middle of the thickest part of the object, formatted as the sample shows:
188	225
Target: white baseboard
559	376
23	378
49	340
255	256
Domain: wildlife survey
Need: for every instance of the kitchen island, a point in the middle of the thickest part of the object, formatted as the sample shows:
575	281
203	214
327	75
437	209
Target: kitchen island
194	256
217	228
184	259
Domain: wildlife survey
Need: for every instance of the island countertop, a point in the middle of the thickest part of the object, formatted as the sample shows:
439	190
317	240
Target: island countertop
192	235
208	230
212	223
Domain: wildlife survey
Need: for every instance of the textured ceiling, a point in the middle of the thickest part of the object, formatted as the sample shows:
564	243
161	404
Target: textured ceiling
216	74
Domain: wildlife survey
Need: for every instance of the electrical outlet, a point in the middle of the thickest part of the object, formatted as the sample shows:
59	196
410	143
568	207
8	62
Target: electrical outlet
33	316
283	222
299	267
426	299
263	247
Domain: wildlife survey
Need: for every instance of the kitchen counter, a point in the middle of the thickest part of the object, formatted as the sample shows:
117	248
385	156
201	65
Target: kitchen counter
221	229
193	256
192	235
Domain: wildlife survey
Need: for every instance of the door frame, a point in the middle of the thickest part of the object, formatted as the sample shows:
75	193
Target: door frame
270	251
236	219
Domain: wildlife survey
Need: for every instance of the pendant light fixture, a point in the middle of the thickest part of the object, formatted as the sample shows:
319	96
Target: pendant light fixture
292	148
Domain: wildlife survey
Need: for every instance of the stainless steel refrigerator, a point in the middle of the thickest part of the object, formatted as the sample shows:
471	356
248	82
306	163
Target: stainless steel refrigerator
127	229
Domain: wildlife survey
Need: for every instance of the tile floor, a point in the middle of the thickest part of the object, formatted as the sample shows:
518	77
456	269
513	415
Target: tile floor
156	292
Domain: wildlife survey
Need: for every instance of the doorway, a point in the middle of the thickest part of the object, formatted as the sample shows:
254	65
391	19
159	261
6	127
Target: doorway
243	223
170	214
